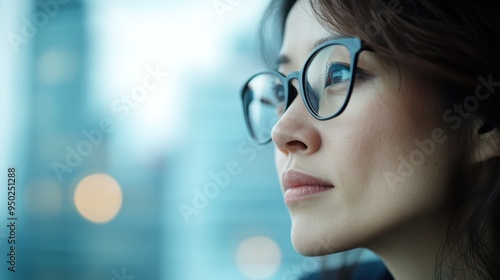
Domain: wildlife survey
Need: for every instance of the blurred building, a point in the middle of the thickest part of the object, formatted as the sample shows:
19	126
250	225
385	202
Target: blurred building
124	123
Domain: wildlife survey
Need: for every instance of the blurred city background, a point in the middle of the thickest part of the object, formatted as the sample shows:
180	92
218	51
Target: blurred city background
123	121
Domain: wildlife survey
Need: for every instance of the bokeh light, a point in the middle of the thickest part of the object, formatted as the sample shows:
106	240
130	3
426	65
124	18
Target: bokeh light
98	198
65	80
258	257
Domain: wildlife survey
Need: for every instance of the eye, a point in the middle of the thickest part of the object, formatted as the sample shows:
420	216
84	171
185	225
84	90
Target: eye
275	98
337	73
279	92
275	95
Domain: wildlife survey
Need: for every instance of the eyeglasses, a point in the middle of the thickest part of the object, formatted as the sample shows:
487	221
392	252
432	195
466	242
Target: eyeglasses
325	81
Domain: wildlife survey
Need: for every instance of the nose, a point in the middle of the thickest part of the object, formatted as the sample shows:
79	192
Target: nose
296	131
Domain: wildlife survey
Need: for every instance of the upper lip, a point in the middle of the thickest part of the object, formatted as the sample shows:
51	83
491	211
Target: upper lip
294	179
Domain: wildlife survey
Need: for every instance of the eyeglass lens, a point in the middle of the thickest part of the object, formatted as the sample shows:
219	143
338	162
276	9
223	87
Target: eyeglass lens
326	81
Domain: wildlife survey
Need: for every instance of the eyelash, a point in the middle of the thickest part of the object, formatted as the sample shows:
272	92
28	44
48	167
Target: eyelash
360	73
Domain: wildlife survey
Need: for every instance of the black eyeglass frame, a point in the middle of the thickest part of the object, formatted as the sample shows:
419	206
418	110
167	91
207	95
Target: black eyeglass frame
354	46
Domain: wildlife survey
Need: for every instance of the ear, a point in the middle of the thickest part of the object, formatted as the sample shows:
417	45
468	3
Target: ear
486	142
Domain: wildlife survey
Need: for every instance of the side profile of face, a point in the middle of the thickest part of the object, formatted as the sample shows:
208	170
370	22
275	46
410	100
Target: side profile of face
390	116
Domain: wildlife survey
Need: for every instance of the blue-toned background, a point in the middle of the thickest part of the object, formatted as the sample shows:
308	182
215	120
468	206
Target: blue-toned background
123	121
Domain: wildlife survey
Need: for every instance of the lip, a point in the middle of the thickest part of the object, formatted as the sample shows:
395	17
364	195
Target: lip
299	186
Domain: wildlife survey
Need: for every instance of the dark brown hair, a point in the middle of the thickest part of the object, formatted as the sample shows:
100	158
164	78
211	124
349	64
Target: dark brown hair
456	44
452	42
456	39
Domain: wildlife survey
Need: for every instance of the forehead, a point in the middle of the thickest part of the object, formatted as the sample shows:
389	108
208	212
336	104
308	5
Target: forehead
302	29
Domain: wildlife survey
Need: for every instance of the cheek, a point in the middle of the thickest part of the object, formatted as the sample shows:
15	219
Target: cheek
380	125
368	139
374	140
280	161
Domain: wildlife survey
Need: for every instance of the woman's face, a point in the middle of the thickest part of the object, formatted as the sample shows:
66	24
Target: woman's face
384	165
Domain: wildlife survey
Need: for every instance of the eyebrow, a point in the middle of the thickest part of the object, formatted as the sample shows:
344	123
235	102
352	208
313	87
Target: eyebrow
284	59
324	40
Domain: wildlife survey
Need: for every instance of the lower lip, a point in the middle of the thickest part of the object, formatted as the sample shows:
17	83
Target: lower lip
304	192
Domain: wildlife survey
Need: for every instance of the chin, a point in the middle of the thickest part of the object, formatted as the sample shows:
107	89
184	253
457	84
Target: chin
311	241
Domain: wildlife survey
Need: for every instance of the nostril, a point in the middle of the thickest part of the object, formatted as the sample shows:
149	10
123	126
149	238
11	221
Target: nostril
297	145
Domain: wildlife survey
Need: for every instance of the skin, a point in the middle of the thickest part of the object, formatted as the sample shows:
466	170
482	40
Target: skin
404	223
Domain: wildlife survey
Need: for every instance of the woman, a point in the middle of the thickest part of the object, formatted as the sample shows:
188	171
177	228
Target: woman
385	122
